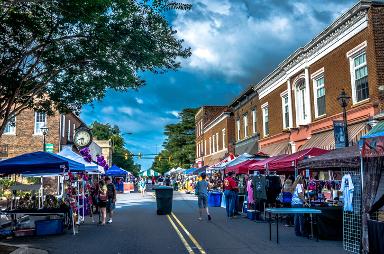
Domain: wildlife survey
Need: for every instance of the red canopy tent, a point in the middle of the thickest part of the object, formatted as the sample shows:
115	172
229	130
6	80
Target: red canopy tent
263	164
241	168
289	162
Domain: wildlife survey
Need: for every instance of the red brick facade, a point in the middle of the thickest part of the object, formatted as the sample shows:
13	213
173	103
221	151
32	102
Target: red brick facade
25	140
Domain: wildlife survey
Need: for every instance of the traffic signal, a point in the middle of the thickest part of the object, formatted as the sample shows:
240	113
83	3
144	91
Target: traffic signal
169	158
140	156
126	156
159	158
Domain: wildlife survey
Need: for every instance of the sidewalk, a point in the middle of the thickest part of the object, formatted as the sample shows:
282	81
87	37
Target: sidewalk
19	249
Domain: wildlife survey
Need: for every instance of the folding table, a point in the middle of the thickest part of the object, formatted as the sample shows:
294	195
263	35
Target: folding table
278	211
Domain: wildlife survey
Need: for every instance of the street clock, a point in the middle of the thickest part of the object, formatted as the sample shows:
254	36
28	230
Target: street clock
83	137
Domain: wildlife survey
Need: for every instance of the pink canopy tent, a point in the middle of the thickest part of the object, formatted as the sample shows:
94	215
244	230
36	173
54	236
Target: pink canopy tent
241	168
289	162
264	164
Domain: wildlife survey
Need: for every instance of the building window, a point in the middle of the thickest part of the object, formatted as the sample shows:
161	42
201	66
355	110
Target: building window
285	110
266	119
319	91
69	130
245	120
63	126
217	142
205	147
10	127
238	129
201	127
302	114
360	70
40	121
223	132
210	145
254	121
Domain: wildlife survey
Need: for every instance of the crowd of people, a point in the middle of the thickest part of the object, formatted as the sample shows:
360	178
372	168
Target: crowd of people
103	200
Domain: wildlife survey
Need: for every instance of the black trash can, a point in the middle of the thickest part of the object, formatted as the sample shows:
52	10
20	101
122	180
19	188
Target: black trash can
164	196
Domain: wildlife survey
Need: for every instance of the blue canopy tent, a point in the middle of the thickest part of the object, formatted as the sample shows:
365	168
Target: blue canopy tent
116	171
39	163
200	170
190	171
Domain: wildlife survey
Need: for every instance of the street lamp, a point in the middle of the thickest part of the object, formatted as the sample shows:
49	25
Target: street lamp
343	101
44	130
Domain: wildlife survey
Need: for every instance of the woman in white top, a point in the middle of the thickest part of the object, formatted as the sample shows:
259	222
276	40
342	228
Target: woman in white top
298	201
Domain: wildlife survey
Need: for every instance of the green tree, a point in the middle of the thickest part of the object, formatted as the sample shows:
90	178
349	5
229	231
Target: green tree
162	163
121	156
180	140
62	54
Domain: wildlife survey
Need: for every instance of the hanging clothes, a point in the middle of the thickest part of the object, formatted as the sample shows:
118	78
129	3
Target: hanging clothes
273	188
347	189
250	191
259	187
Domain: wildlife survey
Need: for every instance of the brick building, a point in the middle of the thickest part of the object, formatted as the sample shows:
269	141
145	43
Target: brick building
25	134
297	103
214	134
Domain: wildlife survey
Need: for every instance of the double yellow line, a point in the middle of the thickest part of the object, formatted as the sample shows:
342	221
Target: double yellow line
182	238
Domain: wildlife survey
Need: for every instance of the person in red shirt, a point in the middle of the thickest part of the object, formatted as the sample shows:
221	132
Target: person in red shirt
230	186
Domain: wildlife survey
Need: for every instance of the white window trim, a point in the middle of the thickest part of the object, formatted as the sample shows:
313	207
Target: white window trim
69	130
307	102
351	55
254	123
245	122
223	136
11	132
282	95
205	147
238	129
63	126
34	126
217	142
210	145
263	107
315	77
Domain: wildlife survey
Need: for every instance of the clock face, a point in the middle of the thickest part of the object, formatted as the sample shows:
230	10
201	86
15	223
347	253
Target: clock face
82	138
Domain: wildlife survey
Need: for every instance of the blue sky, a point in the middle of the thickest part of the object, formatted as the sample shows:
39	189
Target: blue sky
234	43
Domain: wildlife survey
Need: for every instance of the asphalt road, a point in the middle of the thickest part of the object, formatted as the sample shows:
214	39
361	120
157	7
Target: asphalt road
137	229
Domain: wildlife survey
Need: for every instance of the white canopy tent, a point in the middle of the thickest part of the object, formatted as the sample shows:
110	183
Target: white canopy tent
90	167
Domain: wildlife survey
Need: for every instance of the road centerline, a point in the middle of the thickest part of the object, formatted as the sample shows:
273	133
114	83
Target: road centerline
183	240
193	239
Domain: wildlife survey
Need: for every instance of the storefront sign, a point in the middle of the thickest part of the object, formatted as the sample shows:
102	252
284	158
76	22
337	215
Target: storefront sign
338	131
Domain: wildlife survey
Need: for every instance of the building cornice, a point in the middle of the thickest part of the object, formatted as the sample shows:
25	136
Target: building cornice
316	46
215	121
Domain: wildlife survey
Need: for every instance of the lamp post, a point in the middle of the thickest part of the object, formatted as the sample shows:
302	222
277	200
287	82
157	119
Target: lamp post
44	130
344	99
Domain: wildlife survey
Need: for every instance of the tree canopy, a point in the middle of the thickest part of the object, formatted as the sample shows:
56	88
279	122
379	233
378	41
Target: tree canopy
62	54
121	156
179	143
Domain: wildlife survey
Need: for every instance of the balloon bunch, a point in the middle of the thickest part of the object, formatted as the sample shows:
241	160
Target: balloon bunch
85	152
101	161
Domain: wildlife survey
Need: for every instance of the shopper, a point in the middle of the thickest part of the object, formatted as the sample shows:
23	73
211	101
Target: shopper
298	201
102	201
286	200
230	187
111	194
201	190
142	186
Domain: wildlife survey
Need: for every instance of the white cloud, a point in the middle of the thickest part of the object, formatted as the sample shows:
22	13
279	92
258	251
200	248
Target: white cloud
139	101
107	110
127	110
174	113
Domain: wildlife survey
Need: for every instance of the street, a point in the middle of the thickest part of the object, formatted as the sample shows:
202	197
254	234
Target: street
137	229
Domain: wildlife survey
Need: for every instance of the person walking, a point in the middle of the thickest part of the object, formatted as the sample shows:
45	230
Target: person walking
142	186
201	190
111	194
298	201
102	201
230	186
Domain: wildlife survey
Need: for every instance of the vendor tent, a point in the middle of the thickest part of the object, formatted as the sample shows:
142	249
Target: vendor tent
290	162
39	163
348	157
241	168
264	164
190	171
116	171
149	172
200	170
223	163
89	166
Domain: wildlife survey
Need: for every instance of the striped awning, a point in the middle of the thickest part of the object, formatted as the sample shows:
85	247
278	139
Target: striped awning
326	139
276	149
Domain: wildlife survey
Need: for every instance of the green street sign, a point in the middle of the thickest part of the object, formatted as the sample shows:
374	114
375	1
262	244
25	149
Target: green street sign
49	148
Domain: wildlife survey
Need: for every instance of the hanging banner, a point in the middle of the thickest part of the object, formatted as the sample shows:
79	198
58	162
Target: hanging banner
338	131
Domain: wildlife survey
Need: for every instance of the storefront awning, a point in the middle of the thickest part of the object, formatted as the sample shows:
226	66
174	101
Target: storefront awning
326	139
250	146
290	162
276	149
